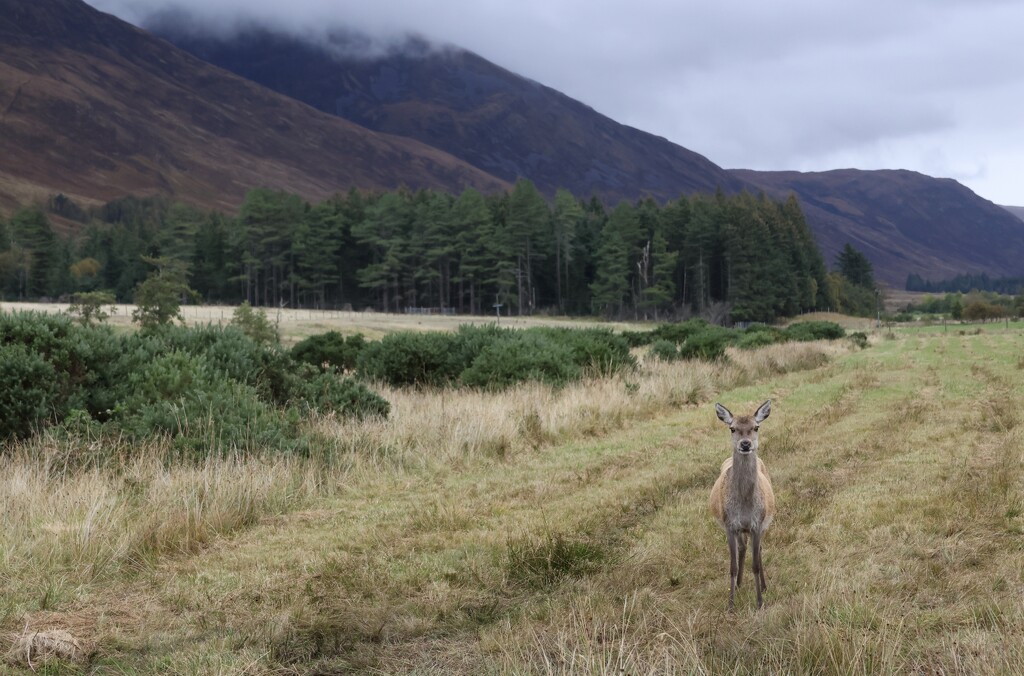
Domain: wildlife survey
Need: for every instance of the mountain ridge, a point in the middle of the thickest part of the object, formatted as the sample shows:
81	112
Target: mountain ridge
1016	211
503	123
96	108
426	95
904	221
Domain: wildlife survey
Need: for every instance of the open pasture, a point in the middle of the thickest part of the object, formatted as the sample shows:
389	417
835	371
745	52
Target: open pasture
298	324
540	531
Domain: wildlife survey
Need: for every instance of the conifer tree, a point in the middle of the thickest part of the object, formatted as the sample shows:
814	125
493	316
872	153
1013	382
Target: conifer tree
566	221
611	273
471	219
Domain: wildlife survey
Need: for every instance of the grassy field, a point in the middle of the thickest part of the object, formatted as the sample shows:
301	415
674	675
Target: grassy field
298	324
541	531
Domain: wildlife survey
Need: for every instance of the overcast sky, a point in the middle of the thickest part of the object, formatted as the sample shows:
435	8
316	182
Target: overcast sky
936	86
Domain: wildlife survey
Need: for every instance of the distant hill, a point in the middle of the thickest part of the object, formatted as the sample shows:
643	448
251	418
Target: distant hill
510	126
95	108
1016	211
452	99
905	222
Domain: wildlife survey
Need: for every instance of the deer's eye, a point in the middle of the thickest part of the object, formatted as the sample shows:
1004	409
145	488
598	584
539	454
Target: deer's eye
756	428
733	430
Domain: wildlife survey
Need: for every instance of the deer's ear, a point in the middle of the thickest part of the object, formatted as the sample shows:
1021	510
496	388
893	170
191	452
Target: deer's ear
723	414
763	411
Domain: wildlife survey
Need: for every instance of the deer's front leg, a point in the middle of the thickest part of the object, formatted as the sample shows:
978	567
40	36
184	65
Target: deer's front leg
733	567
741	542
755	536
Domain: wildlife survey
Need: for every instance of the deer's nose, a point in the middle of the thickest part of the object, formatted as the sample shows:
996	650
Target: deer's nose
745	446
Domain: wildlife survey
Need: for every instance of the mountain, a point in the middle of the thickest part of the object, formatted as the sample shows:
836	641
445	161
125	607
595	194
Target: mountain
905	222
454	100
510	126
95	108
1016	211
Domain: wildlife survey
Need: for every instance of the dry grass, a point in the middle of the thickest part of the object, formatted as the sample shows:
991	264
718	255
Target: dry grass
79	517
564	531
298	324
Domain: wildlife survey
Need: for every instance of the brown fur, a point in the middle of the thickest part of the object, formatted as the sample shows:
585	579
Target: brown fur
720	492
742	499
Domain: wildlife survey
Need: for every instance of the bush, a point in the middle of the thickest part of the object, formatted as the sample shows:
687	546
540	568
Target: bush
814	330
681	332
473	356
708	344
860	339
596	351
82	358
330	349
87	307
254	323
664	350
208	388
470	341
406	358
184	397
329	393
519	358
750	341
29	393
638	338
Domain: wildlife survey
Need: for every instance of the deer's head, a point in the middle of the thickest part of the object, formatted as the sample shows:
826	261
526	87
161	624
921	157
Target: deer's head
744	427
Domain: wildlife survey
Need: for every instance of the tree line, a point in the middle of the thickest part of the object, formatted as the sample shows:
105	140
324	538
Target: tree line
739	257
966	283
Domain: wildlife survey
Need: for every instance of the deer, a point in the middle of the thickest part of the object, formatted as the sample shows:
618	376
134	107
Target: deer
742	500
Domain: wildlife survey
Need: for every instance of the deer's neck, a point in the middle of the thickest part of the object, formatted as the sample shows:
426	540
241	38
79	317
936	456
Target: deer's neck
744	474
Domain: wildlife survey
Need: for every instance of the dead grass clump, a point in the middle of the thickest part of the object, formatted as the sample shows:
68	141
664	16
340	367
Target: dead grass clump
36	648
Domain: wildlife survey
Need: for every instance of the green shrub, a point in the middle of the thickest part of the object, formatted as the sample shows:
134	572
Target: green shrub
28	393
708	344
254	323
328	392
860	339
664	350
331	348
186	398
268	368
82	358
87	307
596	351
749	341
469	341
406	358
519	358
680	332
814	330
208	388
638	338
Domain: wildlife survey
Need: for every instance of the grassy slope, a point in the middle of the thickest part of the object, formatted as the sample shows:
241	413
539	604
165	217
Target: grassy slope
897	546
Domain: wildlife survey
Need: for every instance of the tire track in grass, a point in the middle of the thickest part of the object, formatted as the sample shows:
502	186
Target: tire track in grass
405	559
893	399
